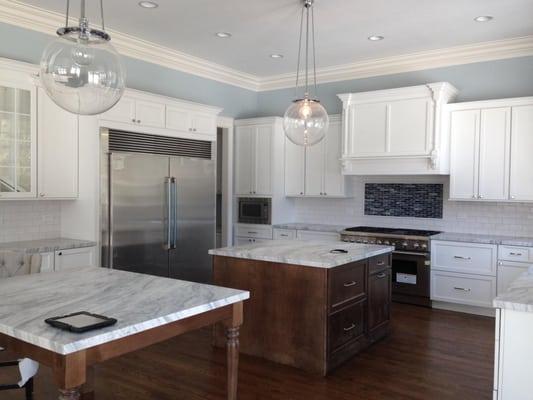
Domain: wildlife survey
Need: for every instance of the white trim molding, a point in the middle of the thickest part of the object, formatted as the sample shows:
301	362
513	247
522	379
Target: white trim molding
38	19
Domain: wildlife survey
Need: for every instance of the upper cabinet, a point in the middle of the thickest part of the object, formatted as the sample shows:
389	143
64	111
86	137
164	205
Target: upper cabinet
490	150
161	115
397	131
316	170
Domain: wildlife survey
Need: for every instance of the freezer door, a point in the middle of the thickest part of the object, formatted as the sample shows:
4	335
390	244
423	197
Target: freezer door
194	225
139	213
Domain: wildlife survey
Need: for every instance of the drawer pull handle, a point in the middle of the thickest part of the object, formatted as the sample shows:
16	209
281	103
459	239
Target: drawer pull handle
462	258
380	263
252	233
284	235
348	284
349	328
515	254
462	289
382	275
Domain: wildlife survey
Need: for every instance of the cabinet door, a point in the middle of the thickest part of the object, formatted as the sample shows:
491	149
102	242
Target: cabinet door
149	113
178	119
508	273
521	159
294	169
18	159
333	178
379	298
464	154
314	169
314	235
370	130
409	127
244	160
47	262
494	149
123	111
82	257
204	123
263	160
57	135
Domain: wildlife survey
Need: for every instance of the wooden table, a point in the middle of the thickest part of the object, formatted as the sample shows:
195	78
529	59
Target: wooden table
149	310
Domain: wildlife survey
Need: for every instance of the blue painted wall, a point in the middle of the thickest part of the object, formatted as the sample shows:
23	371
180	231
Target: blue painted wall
27	45
479	81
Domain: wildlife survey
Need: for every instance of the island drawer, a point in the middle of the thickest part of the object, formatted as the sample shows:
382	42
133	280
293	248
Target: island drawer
346	283
254	231
346	325
379	263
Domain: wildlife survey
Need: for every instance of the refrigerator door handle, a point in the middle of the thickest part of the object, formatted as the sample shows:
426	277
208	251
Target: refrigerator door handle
168	194
174	216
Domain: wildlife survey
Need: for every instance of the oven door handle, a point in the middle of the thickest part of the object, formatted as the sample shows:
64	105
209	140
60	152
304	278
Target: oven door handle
410	253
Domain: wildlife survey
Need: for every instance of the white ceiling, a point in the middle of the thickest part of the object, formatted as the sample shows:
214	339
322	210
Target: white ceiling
260	28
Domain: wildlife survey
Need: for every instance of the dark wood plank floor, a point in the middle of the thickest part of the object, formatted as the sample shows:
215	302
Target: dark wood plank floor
431	354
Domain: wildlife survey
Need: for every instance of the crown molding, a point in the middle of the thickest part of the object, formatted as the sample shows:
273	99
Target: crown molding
458	55
38	19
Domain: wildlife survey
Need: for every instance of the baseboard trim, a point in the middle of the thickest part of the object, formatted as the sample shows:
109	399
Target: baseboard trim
487	312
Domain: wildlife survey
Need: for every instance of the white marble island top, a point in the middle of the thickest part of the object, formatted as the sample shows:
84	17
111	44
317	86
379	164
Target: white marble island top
300	252
139	302
519	295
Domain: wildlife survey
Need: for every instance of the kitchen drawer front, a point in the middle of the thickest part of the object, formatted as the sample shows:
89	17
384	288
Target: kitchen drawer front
470	258
254	231
284	234
346	283
379	263
316	235
240	241
514	253
466	289
346	325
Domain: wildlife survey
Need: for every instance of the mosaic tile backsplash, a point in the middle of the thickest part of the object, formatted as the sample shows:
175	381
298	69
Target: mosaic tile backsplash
418	200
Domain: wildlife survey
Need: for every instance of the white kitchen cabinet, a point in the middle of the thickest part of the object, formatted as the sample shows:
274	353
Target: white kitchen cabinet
253	160
471	258
47	261
150	113
57	145
123	111
284	234
240	241
316	170
203	123
508	272
480	143
316	235
256	231
521	160
71	258
466	289
396	131
184	120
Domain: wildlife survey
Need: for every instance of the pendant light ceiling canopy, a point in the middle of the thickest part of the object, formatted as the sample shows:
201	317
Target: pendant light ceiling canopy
80	70
306	121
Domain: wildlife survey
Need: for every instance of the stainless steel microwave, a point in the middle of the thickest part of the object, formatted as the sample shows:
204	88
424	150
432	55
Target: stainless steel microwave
255	210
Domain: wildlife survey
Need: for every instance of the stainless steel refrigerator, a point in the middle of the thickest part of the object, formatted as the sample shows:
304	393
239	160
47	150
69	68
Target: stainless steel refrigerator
158	208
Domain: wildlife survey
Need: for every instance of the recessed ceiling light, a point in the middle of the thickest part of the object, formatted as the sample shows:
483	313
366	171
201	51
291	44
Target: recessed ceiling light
148	4
223	34
276	56
375	38
483	18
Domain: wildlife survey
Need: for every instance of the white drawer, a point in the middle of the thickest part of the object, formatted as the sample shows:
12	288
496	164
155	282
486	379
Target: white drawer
254	231
72	258
514	253
470	258
315	235
466	289
287	234
240	241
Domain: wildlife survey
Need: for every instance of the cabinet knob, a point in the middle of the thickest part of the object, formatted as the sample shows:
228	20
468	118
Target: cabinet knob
60	253
480	196
301	192
133	120
512	197
138	121
325	194
194	129
41	194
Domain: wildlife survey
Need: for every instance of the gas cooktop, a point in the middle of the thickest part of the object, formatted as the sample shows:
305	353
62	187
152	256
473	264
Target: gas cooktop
391	231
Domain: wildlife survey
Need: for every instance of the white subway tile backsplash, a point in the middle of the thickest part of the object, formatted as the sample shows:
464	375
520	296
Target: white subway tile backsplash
464	217
29	220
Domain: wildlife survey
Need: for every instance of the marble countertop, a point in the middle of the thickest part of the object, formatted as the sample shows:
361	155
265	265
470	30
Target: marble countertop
487	239
519	296
308	253
311	227
45	245
139	302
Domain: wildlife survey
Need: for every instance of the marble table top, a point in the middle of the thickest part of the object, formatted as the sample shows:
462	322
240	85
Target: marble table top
486	239
311	227
299	252
45	245
139	302
519	296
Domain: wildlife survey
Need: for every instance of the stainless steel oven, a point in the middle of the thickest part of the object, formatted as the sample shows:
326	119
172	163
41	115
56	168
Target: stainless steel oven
255	210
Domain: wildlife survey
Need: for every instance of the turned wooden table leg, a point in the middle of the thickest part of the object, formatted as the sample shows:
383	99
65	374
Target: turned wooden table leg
70	374
232	350
87	390
69	394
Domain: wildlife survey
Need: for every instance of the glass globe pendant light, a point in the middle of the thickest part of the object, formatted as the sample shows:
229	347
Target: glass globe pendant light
80	70
306	121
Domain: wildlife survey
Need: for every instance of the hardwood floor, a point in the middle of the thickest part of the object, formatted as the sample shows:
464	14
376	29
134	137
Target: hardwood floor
431	354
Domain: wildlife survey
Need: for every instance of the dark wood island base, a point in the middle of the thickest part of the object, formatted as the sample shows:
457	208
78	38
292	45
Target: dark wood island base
311	318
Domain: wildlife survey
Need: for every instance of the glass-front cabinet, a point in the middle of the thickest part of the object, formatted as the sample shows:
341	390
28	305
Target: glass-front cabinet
17	136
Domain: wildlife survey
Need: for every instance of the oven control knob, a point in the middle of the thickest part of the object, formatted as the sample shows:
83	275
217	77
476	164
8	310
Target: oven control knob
386	242
378	241
424	246
404	244
416	245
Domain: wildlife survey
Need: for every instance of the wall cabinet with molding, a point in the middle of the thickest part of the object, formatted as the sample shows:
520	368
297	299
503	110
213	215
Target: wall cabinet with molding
316	171
490	150
396	131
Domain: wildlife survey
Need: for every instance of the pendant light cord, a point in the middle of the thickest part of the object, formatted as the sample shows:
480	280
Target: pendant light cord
314	51
66	14
299	53
102	14
307	49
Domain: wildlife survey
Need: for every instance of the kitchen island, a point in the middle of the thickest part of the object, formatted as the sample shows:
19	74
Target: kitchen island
313	304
